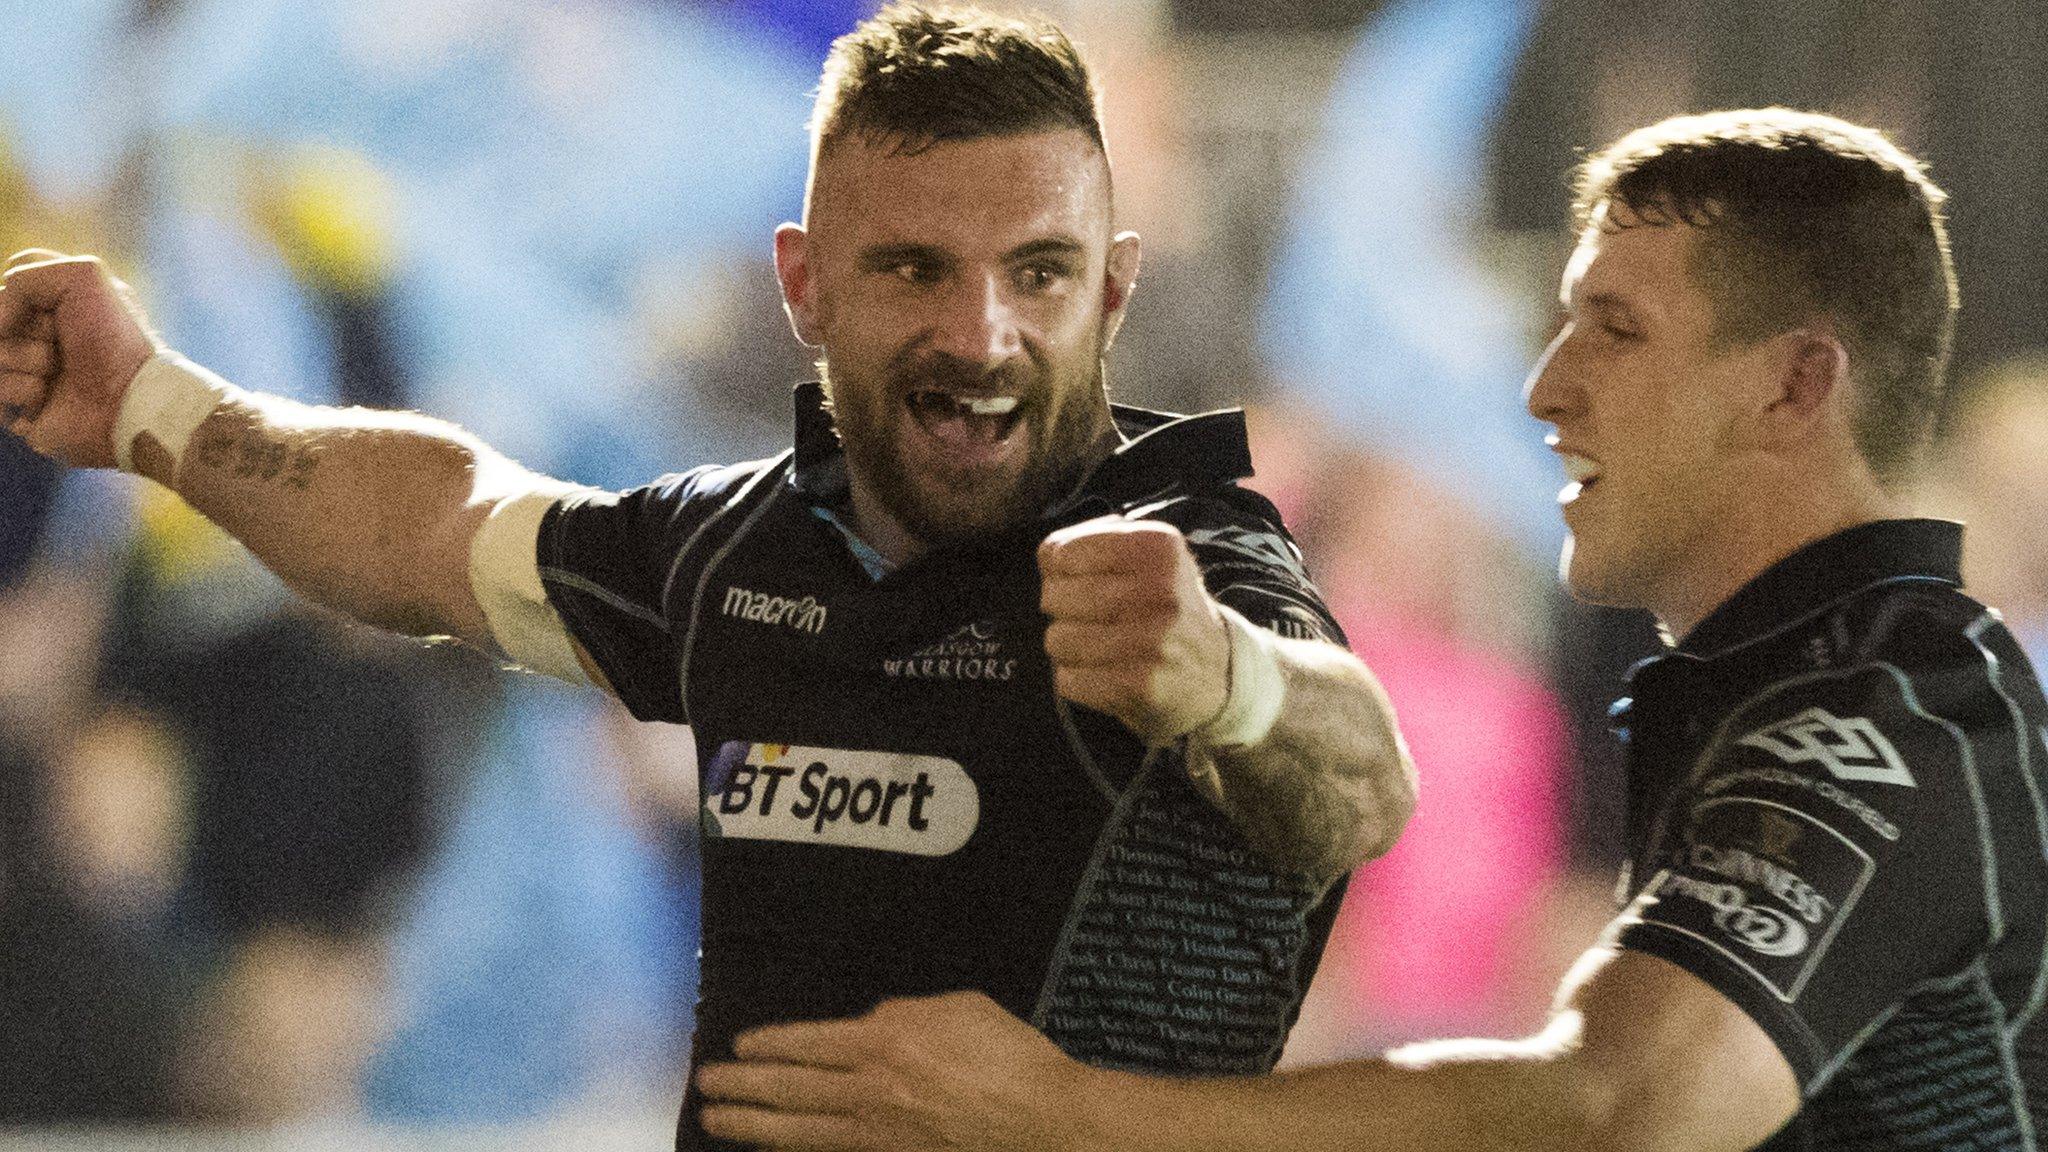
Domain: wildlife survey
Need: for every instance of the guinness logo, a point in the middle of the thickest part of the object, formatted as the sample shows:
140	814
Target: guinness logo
1775	835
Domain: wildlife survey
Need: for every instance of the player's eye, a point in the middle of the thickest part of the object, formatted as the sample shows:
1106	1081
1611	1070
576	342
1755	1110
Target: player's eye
1042	276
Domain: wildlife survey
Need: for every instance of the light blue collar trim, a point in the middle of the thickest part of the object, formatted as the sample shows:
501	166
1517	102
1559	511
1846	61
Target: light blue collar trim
876	565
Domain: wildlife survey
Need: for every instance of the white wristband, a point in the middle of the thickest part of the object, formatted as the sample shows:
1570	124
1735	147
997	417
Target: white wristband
169	398
1257	687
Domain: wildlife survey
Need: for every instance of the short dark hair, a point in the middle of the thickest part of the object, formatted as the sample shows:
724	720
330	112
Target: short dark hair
1803	214
913	76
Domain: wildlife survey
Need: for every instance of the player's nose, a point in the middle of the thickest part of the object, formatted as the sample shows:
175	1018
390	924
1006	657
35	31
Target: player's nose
1548	392
977	324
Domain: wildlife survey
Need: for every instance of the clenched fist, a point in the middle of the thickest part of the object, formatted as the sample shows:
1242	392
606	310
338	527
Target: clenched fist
1133	633
71	339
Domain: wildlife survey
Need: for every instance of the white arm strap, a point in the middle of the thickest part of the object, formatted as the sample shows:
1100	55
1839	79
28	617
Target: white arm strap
504	573
1252	704
1256	690
169	398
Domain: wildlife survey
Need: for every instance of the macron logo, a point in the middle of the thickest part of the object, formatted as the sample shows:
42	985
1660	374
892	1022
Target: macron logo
806	615
1851	749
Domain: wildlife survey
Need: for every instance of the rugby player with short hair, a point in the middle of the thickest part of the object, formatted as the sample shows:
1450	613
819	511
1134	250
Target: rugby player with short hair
995	685
1834	930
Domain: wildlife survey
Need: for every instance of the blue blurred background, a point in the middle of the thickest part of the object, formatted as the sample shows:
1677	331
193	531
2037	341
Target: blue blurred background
261	867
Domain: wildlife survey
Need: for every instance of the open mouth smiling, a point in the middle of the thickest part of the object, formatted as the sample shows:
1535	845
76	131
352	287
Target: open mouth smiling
964	420
1582	471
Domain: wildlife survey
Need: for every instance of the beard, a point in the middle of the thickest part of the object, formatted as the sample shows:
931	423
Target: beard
1062	418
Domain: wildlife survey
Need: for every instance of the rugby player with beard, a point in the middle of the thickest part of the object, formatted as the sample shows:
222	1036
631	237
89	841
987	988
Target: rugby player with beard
995	686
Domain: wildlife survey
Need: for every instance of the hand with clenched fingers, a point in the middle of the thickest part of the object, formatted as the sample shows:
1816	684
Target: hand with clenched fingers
1132	631
71	340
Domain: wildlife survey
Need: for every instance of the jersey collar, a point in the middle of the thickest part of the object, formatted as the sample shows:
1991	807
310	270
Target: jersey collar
1162	452
1826	571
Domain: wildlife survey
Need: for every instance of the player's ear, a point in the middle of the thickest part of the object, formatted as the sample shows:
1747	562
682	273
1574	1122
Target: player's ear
799	286
1119	280
1810	387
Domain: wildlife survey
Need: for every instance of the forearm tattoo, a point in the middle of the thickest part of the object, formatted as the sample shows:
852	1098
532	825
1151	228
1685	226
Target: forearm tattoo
1318	791
248	453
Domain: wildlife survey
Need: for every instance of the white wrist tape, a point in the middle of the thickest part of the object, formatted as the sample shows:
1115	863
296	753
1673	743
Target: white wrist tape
1257	687
169	398
504	574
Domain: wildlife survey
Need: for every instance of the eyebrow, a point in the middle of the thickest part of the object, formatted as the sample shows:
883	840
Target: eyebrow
890	255
1605	301
1049	246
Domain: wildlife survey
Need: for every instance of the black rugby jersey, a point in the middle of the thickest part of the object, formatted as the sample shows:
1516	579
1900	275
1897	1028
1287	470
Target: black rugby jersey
894	801
1836	818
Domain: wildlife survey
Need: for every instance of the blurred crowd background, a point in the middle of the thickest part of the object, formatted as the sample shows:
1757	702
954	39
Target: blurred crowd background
263	868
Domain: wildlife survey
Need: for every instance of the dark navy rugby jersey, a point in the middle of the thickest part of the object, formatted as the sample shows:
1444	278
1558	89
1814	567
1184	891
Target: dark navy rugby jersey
894	801
1837	820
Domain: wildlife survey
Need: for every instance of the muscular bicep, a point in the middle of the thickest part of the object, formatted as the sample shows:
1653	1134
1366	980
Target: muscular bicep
1678	1066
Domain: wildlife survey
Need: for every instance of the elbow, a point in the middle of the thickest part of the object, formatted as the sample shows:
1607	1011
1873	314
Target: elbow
1395	789
1601	1104
1599	1115
1378	818
419	581
1360	821
449	533
452	607
1587	1111
1382	784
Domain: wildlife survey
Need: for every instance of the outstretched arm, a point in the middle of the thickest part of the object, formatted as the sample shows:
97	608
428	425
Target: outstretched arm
371	513
1293	739
1641	1056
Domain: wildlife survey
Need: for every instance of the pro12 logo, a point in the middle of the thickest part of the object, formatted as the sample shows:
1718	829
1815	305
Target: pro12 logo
887	801
1757	927
1764	884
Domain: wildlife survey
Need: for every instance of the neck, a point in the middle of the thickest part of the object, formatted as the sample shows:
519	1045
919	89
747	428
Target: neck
879	528
1772	527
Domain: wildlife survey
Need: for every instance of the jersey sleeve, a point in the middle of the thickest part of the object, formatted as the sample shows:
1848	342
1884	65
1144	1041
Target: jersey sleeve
606	562
1252	565
1823	862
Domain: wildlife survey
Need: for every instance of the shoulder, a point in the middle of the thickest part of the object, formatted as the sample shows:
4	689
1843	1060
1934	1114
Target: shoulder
632	542
1230	526
708	484
1889	725
1914	655
1950	660
664	511
1863	729
1249	561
